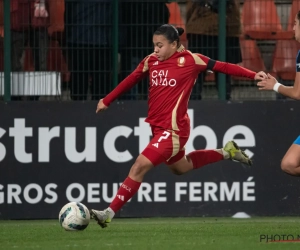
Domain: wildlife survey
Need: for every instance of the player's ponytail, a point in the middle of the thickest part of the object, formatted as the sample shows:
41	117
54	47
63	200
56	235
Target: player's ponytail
170	32
180	30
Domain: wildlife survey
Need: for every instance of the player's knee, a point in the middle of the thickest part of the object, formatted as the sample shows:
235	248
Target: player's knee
139	168
177	171
288	167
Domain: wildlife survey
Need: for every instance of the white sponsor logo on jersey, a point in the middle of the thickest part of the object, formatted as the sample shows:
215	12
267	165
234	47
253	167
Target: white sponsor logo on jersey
161	78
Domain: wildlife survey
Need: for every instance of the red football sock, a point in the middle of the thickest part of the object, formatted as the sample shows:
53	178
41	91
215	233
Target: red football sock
127	190
201	158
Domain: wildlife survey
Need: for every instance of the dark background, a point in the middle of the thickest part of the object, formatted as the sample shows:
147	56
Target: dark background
274	124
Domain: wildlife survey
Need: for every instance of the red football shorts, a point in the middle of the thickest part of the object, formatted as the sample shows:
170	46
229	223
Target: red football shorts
166	146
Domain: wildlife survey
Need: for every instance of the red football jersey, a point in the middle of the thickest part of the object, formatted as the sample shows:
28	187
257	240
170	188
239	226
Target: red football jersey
170	85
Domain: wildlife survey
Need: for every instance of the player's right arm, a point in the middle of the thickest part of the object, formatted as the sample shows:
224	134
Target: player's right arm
290	91
138	74
101	106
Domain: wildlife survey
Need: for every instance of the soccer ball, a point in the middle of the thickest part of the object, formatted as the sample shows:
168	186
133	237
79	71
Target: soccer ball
74	216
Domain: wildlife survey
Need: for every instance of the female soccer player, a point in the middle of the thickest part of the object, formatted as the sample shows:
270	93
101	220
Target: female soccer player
173	72
291	161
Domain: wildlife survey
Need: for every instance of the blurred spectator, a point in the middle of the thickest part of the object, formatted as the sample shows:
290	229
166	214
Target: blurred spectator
40	9
202	34
89	47
29	21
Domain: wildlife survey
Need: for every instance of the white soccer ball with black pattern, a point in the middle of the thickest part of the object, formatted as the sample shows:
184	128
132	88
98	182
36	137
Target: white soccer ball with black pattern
74	216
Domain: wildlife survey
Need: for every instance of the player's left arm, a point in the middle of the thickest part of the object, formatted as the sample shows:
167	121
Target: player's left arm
235	70
231	69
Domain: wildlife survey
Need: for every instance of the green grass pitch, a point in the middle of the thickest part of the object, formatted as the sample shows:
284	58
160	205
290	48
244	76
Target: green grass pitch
155	233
